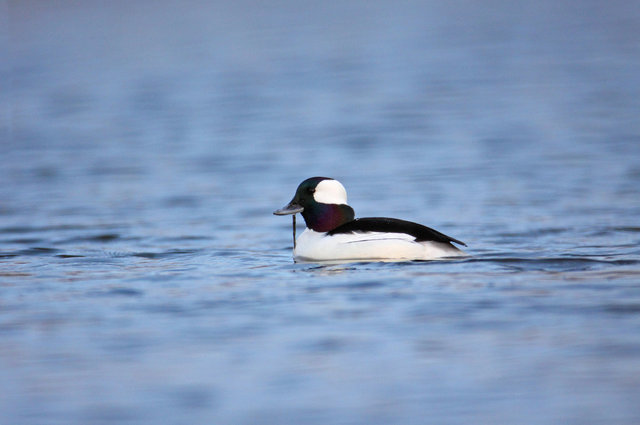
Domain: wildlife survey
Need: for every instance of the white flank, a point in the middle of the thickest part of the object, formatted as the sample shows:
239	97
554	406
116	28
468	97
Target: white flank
317	246
330	192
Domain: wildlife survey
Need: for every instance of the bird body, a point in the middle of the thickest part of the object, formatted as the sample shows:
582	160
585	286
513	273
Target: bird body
334	234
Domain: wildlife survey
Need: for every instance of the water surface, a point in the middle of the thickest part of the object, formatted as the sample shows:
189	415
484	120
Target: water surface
143	278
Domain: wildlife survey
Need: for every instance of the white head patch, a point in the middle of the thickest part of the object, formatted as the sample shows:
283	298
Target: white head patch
330	192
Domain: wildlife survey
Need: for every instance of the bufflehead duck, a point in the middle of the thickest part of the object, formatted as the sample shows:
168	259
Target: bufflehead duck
334	234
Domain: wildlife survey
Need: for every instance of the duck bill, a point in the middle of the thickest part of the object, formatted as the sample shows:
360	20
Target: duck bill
292	208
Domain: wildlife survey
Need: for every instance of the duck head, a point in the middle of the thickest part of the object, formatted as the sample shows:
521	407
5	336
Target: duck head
322	201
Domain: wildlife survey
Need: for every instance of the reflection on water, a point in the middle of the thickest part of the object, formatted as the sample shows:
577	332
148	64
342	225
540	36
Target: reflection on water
143	278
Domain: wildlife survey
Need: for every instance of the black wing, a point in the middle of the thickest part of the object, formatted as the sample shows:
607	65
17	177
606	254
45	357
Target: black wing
393	225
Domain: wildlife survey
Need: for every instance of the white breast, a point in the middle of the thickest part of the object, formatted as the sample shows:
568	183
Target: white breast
317	246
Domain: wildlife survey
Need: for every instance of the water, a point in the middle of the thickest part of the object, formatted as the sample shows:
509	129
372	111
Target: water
143	278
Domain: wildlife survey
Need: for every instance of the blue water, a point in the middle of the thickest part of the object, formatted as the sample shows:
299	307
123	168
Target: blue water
144	279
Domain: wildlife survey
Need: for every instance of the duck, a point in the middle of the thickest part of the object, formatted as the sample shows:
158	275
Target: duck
333	233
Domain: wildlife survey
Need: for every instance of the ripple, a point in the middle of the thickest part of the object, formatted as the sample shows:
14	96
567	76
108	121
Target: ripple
627	308
186	238
24	241
38	251
535	232
126	292
36	229
632	229
165	254
103	237
552	263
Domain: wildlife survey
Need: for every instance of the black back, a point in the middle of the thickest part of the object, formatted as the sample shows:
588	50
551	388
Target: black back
393	225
